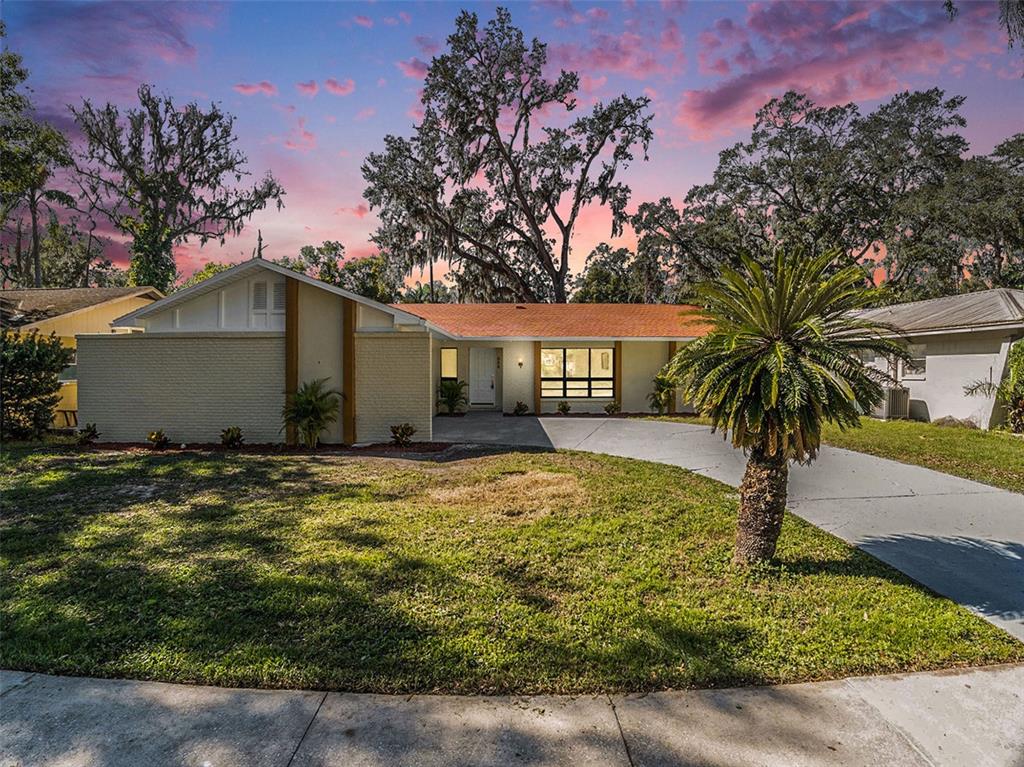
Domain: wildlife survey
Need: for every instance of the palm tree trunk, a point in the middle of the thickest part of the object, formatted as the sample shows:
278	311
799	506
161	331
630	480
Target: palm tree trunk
762	505
37	267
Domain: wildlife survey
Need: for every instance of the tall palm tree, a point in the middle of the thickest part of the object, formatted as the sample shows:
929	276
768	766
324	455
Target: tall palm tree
782	358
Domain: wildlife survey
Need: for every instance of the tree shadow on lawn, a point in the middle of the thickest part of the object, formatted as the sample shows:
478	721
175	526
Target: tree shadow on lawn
186	585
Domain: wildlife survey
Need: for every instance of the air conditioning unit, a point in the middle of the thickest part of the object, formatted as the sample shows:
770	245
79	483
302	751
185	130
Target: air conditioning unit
895	405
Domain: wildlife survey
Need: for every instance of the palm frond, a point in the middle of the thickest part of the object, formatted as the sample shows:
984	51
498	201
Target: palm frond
784	354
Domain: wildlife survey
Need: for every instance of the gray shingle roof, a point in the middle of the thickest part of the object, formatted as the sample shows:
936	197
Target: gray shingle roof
22	307
984	308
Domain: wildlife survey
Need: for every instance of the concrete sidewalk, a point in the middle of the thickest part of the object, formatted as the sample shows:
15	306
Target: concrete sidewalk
955	718
960	538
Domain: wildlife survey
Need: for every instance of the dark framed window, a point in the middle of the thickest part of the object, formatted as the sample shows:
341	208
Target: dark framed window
577	373
449	364
70	373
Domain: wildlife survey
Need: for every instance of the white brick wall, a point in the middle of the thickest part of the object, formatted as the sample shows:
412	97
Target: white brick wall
191	387
393	385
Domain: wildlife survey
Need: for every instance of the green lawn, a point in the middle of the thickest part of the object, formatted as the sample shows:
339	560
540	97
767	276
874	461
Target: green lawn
993	457
523	572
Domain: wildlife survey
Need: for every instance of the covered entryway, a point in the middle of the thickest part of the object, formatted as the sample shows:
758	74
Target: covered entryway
483	374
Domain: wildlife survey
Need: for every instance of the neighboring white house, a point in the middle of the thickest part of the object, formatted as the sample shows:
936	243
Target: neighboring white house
226	351
955	341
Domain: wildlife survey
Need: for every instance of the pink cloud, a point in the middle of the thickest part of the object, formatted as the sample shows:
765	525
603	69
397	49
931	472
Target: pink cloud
405	17
428	46
363	21
359	211
381	82
366	113
413	68
853	18
597	14
302	139
343	88
251	89
591	85
628	54
820	48
308	89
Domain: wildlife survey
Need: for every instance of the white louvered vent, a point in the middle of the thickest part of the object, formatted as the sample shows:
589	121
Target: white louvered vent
279	296
259	296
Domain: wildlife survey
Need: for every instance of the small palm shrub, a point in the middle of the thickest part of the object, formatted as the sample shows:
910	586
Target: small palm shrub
451	394
664	390
521	408
310	410
781	360
158	439
612	408
232	437
564	407
1009	392
88	434
401	434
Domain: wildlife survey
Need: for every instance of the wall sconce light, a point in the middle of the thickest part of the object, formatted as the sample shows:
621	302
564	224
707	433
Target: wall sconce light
520	362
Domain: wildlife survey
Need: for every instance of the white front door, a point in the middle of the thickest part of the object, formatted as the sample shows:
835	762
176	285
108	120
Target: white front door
483	368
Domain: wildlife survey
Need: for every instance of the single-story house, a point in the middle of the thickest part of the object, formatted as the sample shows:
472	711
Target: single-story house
955	341
68	312
226	351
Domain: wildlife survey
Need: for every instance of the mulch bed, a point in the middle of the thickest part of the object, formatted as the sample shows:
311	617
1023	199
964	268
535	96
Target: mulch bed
271	448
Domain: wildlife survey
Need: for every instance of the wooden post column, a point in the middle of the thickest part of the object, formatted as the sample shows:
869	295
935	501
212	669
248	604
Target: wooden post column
617	374
536	377
672	406
348	371
291	347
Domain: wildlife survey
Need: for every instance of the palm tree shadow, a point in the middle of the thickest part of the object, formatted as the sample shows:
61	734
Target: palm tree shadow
987	576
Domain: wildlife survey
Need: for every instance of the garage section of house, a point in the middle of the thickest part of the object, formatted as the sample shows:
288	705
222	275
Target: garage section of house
226	352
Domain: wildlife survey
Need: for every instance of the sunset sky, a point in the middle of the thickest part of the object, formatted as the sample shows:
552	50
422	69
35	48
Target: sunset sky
316	86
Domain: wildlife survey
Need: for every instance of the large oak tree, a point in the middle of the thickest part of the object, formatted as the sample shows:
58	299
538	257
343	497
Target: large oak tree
498	171
165	174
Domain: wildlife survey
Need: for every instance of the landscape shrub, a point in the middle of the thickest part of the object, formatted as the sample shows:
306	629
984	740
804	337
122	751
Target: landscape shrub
1009	391
564	407
88	434
451	394
401	434
956	423
30	367
158	439
521	408
664	389
612	408
310	410
232	437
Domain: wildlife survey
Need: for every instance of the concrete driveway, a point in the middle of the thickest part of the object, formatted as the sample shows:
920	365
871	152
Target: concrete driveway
960	538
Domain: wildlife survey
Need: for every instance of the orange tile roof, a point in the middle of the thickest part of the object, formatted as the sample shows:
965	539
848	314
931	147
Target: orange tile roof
561	320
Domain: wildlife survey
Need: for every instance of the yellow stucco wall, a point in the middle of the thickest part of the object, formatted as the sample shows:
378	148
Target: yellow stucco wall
393	384
320	344
95	319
